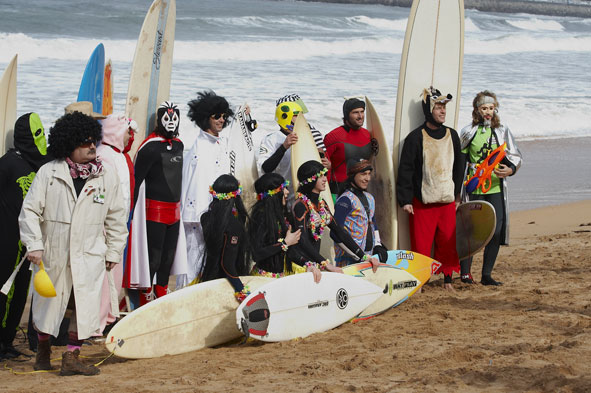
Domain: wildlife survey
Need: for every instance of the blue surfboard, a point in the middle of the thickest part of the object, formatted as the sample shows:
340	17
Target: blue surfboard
91	87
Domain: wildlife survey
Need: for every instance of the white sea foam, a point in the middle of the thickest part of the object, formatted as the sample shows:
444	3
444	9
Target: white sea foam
386	24
535	24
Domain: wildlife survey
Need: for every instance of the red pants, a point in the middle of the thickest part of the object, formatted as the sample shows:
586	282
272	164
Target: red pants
435	222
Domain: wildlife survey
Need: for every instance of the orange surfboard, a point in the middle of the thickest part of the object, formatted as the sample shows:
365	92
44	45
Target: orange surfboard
108	89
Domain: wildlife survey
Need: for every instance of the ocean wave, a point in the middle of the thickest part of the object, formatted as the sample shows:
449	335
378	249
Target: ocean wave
526	43
535	24
30	49
469	26
386	24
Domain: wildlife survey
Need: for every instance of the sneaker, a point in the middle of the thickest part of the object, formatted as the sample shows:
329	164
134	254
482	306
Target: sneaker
467	278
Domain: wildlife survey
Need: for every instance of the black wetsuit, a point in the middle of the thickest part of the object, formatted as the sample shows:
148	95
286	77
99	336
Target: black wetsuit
160	165
225	263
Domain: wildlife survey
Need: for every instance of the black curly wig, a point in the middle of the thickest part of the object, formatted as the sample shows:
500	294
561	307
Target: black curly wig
206	104
70	131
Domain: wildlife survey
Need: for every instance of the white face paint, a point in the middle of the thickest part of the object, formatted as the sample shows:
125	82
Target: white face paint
170	120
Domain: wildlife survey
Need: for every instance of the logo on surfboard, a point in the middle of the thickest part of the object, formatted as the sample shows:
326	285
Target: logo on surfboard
342	298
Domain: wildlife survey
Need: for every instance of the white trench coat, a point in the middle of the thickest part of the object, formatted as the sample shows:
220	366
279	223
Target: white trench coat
77	235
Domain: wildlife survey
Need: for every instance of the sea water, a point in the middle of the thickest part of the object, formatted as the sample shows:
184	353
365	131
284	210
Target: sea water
256	51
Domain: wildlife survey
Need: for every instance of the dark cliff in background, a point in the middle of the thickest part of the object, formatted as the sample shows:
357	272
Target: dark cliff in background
507	6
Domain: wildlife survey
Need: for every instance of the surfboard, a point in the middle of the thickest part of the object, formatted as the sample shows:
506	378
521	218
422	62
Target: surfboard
295	306
420	266
475	226
91	86
397	286
108	89
242	156
382	182
192	318
432	55
304	150
149	82
8	105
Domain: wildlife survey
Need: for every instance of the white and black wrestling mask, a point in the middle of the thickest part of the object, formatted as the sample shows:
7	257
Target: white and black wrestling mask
169	118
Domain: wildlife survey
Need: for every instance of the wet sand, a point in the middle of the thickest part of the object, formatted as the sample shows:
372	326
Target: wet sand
532	334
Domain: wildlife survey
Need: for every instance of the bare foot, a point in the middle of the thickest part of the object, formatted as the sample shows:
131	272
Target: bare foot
448	287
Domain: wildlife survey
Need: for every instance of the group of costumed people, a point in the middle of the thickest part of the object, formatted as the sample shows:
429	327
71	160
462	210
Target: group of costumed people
99	222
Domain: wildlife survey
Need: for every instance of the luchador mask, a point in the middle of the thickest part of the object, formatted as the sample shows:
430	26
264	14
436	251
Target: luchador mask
168	120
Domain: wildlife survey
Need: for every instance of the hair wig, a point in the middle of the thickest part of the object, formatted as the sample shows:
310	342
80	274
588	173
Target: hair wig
70	131
206	104
221	212
306	171
495	122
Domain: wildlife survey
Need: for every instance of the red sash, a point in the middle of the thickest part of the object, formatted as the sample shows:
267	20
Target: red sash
164	212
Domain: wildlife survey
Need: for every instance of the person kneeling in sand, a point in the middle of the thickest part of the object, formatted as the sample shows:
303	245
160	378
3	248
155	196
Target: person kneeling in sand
312	216
478	139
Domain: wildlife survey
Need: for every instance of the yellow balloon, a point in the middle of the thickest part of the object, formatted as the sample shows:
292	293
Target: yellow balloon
42	283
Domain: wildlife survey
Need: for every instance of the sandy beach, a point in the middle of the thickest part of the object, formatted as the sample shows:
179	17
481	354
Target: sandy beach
532	334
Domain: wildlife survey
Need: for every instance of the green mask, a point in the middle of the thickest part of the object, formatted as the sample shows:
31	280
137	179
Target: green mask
38	133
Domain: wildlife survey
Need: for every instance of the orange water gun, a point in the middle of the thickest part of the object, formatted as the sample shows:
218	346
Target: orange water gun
481	177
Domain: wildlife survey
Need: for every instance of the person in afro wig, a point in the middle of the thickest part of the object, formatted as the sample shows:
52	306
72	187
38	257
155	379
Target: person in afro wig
207	159
209	105
71	131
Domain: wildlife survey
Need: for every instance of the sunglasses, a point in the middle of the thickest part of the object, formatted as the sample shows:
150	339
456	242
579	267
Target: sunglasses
217	116
87	143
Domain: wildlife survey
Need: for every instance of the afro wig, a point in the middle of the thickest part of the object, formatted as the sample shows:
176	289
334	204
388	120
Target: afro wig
70	131
206	104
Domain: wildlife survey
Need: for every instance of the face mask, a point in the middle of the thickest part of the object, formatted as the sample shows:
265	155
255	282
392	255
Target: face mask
168	120
38	133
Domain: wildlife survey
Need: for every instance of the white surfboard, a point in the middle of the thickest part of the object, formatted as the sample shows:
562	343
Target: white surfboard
242	156
192	318
8	106
397	286
432	56
304	150
295	306
382	182
149	82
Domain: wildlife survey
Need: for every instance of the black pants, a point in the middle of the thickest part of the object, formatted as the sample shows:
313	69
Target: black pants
13	304
492	248
162	240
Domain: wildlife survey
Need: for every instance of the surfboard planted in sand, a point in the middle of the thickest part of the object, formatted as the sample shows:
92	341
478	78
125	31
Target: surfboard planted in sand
382	181
432	55
149	82
242	155
8	105
91	86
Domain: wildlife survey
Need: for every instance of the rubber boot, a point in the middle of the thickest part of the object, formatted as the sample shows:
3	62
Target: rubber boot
43	357
71	365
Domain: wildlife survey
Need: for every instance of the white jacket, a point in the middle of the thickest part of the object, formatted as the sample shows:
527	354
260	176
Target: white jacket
77	235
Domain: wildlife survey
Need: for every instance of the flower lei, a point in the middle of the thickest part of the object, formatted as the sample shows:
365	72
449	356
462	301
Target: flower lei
272	192
321	215
225	195
240	296
315	177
